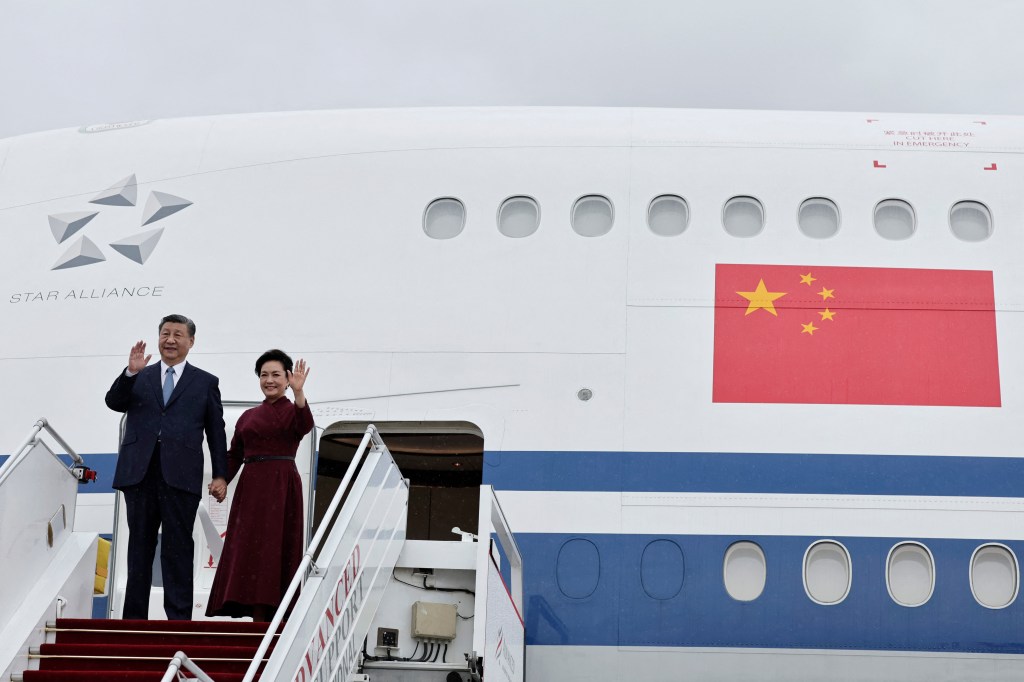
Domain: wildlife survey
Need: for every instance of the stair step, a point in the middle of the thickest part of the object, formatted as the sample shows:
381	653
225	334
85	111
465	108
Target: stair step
111	676
160	625
154	663
182	641
148	650
183	633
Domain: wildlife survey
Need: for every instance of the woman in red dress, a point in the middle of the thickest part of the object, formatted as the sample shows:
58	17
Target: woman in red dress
264	541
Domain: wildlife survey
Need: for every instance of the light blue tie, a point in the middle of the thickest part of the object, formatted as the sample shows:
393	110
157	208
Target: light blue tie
168	384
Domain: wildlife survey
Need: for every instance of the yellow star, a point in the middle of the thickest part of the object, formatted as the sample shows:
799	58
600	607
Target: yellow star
761	298
809	328
827	315
807	279
826	293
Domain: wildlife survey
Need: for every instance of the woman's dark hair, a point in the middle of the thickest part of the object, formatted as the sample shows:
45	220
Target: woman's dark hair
272	355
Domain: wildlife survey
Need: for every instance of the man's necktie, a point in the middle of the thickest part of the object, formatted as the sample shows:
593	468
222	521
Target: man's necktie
168	384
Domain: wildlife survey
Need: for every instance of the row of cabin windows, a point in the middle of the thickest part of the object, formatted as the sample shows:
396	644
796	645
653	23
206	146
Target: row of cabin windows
668	215
827	572
909	573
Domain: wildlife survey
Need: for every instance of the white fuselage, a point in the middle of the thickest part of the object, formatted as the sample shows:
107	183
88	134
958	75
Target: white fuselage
306	232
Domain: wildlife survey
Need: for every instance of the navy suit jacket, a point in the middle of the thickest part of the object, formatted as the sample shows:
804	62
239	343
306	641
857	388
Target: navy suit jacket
193	408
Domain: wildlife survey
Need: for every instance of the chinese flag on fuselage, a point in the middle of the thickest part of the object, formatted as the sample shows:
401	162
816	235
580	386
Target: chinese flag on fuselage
879	336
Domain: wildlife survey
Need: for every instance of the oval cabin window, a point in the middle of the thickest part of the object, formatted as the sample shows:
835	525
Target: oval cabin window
592	216
910	574
661	569
578	568
743	217
818	218
668	215
971	221
995	576
744	571
895	219
827	572
444	218
518	217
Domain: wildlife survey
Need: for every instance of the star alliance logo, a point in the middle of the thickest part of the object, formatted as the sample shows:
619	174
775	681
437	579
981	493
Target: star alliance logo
135	247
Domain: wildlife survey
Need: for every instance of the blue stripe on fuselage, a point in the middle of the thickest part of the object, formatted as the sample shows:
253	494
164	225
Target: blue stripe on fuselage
103	464
619	612
819	474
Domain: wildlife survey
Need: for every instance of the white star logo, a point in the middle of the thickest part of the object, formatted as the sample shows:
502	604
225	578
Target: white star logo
137	247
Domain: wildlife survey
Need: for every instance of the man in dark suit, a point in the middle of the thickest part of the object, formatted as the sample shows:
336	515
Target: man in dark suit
160	463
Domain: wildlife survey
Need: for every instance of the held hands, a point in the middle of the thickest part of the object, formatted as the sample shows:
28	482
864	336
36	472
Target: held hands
137	358
218	488
297	377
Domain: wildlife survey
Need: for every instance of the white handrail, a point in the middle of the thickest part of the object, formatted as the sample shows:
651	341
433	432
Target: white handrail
22	450
491	520
179	661
307	558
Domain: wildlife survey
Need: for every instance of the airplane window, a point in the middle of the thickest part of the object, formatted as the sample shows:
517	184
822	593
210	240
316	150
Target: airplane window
895	219
661	569
744	571
743	217
668	215
818	218
518	217
592	216
578	568
971	221
910	574
444	218
995	576
827	572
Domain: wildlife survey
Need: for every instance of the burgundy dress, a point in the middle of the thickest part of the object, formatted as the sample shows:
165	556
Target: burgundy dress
264	541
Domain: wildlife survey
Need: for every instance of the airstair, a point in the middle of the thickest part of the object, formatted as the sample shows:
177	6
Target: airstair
369	605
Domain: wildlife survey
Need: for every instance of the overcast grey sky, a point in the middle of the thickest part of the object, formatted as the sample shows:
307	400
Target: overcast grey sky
75	62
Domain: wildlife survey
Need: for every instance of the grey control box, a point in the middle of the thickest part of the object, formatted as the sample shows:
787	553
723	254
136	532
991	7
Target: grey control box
432	620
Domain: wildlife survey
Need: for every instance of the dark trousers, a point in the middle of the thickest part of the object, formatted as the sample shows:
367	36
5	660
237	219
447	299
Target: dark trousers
150	504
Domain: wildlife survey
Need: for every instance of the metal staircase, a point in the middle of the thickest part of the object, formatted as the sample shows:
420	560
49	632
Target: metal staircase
347	572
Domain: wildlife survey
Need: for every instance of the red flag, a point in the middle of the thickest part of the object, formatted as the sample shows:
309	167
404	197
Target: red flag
876	336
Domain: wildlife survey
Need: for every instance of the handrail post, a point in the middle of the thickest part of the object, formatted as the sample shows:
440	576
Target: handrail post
31	439
26	446
179	661
60	441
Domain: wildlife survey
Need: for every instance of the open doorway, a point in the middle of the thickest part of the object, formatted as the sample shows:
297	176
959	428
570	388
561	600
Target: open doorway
442	460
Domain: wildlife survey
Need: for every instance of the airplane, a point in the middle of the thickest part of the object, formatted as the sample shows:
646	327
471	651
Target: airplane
743	382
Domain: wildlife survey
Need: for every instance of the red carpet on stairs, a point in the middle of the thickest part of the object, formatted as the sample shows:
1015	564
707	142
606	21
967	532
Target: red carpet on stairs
94	650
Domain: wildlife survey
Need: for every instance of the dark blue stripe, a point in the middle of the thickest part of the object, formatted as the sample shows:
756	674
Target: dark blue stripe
756	473
725	472
619	612
104	465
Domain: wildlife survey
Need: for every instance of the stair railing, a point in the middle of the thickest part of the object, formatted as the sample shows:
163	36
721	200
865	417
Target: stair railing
30	442
180	661
38	495
371	436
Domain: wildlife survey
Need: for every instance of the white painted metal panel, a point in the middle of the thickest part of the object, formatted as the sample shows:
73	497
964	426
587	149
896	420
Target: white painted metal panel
37	506
764	514
663	664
